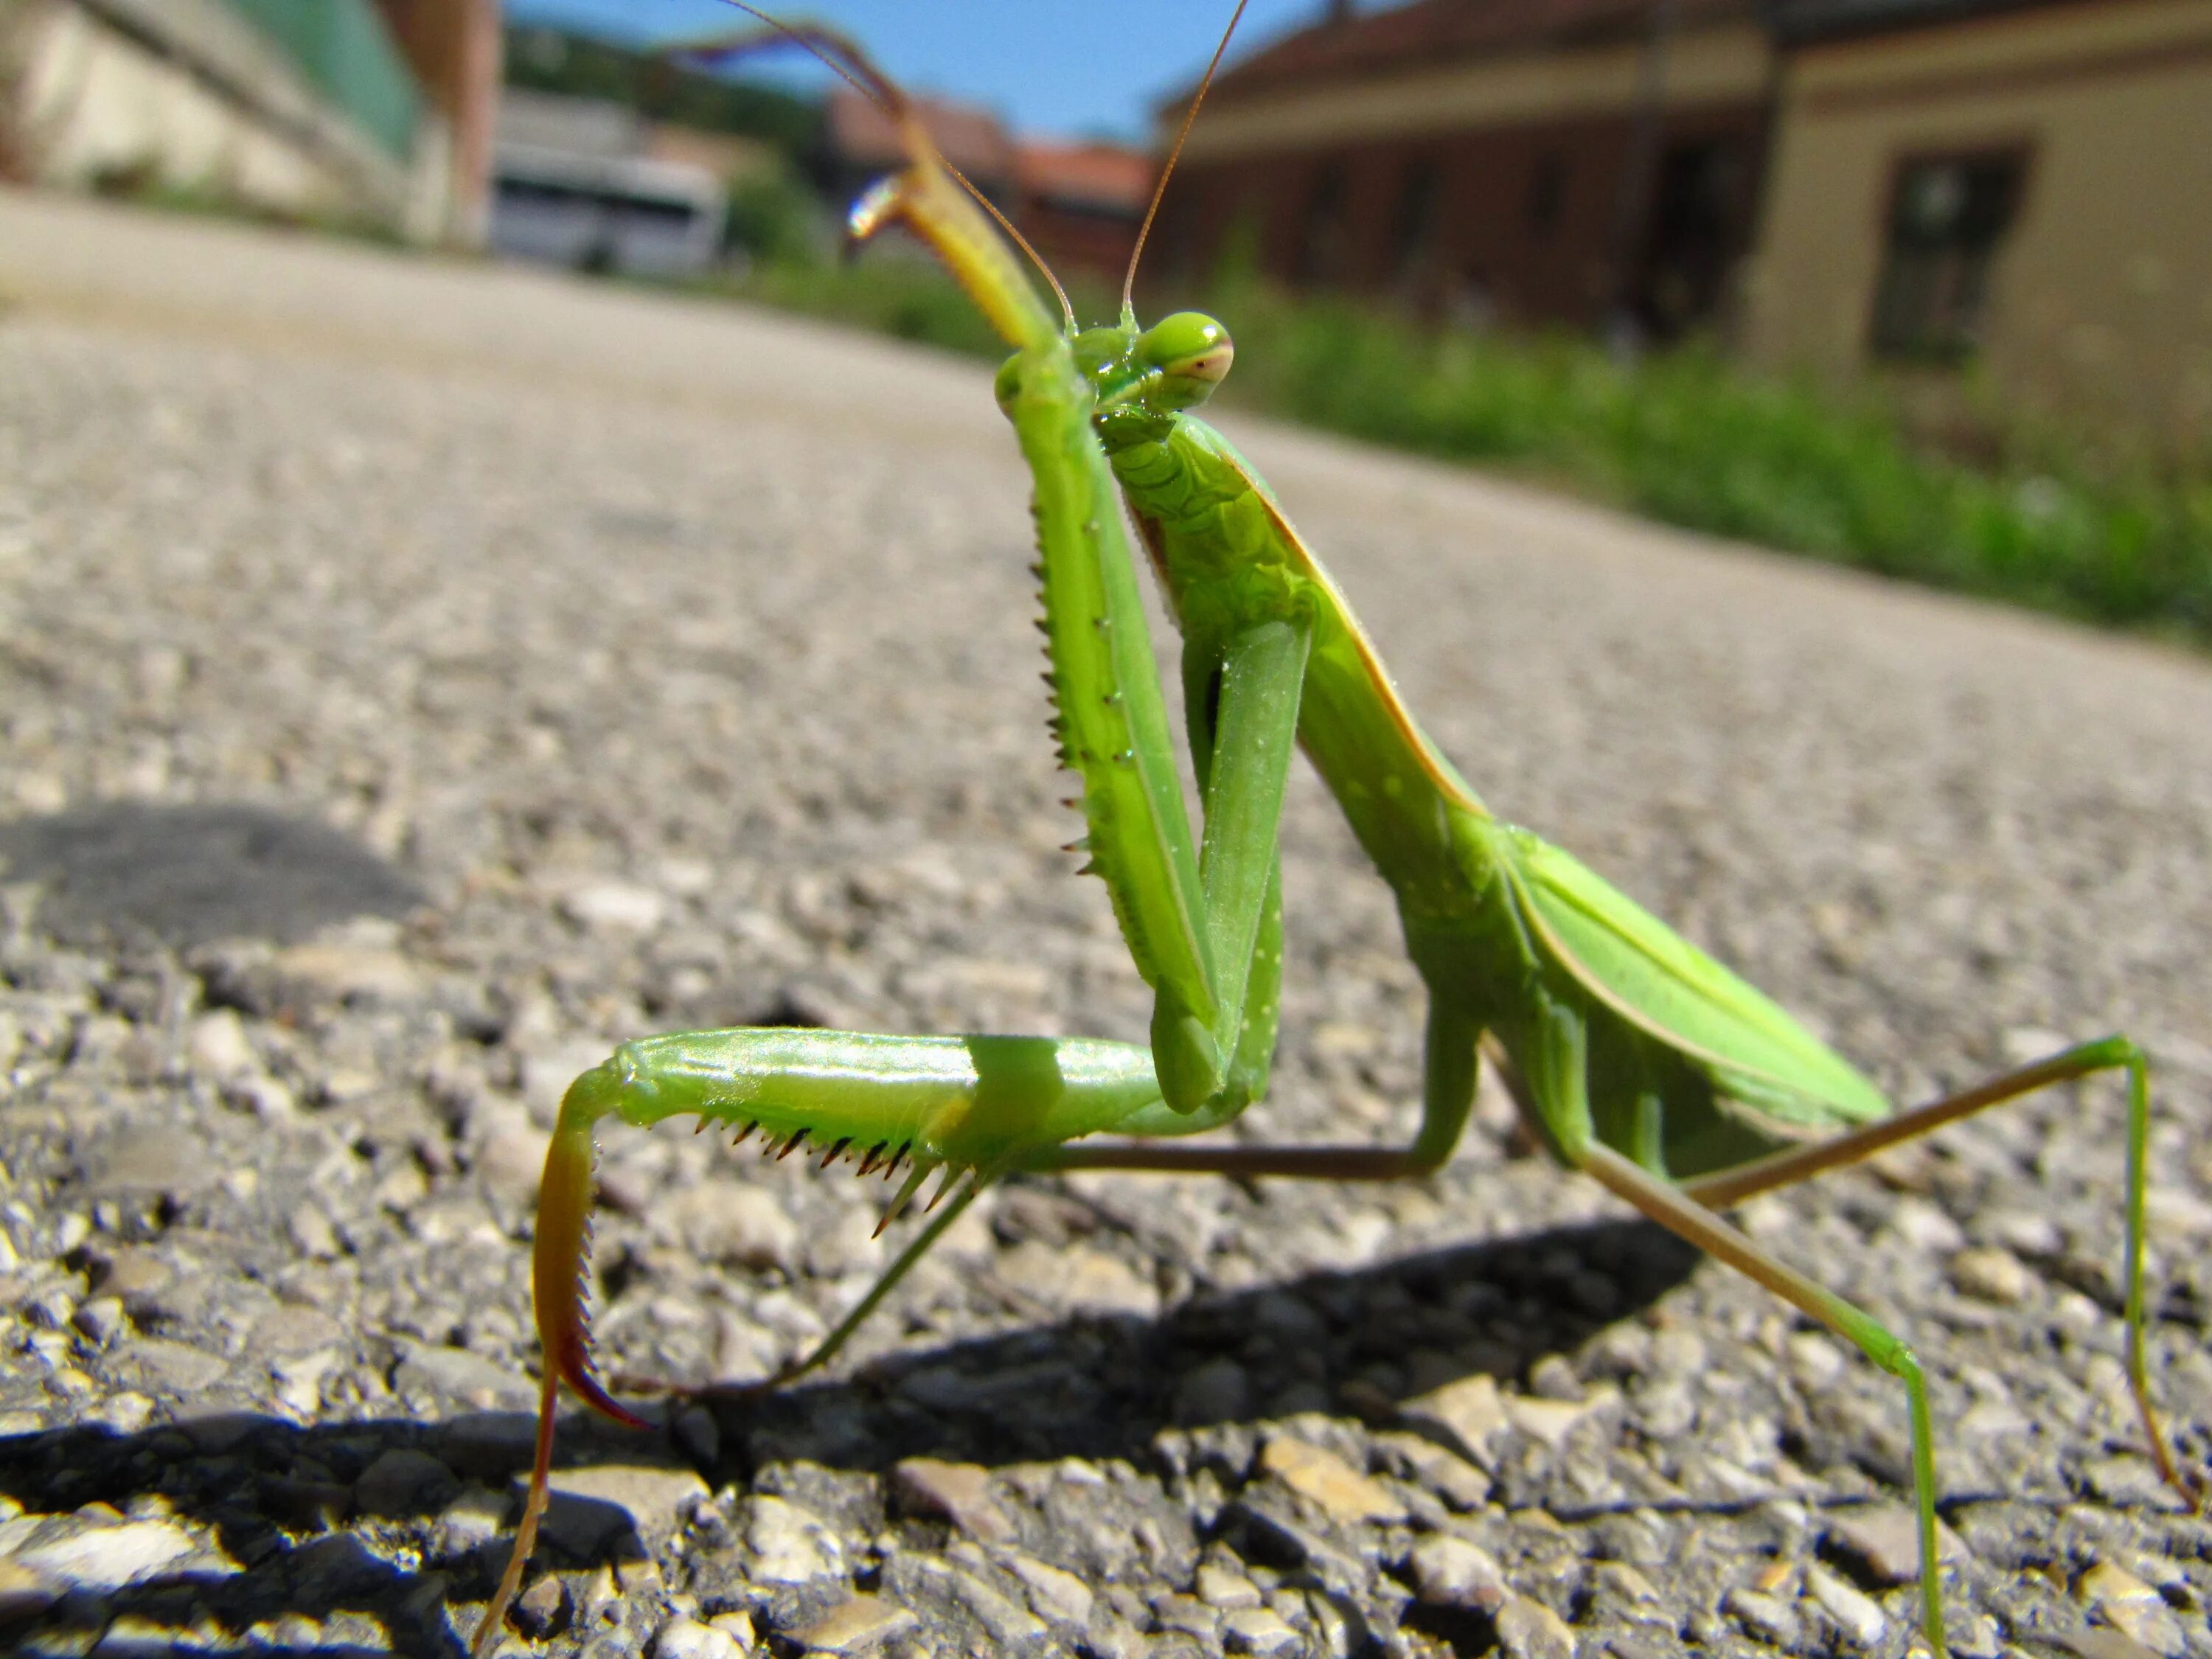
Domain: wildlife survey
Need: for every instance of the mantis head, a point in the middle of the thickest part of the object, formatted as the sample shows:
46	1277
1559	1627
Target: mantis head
1147	376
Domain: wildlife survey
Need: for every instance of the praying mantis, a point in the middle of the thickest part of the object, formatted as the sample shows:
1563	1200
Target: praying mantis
1632	1056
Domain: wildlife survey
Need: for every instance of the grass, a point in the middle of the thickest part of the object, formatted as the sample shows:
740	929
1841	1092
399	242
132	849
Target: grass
2049	517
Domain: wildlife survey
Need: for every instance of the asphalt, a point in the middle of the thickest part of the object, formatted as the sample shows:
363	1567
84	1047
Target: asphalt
418	676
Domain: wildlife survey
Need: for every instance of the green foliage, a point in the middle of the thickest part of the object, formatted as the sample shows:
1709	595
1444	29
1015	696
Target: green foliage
2046	520
779	219
553	60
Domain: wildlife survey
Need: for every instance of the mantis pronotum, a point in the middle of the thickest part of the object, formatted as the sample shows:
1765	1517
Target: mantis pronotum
1632	1056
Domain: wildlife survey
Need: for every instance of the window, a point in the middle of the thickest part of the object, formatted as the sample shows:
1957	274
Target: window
1417	219
1321	241
1948	216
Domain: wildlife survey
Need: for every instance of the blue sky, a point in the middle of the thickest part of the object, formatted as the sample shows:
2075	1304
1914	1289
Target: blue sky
1049	66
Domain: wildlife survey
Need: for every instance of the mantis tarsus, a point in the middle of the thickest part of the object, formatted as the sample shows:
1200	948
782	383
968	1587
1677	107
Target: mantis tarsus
1632	1055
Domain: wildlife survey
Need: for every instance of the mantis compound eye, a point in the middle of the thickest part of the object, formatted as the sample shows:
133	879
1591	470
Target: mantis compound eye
1190	352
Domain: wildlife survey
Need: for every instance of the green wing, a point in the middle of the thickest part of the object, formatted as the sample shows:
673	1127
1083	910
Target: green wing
1757	1056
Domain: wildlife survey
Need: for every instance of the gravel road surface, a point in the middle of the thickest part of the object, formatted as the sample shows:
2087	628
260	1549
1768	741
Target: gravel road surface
418	677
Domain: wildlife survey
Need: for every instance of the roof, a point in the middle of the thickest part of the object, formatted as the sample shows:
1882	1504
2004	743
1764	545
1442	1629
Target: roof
1796	21
1109	177
970	136
1427	30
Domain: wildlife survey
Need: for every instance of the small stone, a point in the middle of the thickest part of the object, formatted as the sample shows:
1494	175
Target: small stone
1991	1275
23	1593
1882	1542
108	1558
543	1609
1528	1629
789	1545
176	1367
1463	1415
1055	1595
344	973
313	1235
1222	1589
1553	1378
1622	1584
217	1043
1187	1615
853	1627
1220	1391
958	1492
458	1374
2094	1643
158	1160
1077	1277
470	1522
1259	1631
1814	1361
739	1627
1860	1615
102	1319
1451	1573
1767	1618
742	1225
2130	1606
686	1639
653	1497
1552	1420
402	1482
614	907
1327	1482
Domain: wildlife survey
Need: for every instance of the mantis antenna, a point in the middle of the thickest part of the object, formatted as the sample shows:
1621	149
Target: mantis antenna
845	59
1190	115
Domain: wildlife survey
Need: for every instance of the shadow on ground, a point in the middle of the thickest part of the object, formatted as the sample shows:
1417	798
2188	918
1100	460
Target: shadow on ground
188	875
287	1501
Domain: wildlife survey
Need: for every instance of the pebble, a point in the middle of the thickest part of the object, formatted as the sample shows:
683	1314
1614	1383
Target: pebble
106	1558
614	907
654	1497
1259	1630
1222	1589
1992	1275
1327	1482
687	1639
790	1546
958	1492
736	1223
23	1593
1767	1618
1451	1573
2126	1603
1860	1615
1882	1540
543	1608
403	1482
853	1627
1060	1596
1464	1415
1527	1629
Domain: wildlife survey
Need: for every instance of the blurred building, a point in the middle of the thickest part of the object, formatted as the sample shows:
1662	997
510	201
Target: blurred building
860	144
369	112
2025	186
576	182
1535	162
1079	205
2021	183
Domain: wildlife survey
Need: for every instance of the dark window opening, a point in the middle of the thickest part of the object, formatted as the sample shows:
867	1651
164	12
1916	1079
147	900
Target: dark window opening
1948	216
1692	238
1547	198
1321	242
1417	219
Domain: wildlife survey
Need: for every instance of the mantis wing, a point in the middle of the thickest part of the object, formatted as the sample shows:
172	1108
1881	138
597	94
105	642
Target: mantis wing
1758	1057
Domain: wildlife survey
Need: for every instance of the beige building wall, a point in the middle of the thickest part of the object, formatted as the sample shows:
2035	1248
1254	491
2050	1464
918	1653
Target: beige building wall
87	102
2101	291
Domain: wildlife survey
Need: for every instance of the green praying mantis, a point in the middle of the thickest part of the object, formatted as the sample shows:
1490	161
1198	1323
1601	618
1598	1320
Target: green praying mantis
1633	1056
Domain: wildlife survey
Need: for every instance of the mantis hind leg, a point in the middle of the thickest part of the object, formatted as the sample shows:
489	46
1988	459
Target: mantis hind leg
2108	1053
